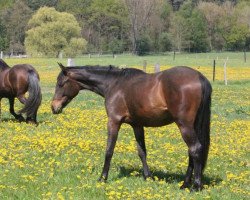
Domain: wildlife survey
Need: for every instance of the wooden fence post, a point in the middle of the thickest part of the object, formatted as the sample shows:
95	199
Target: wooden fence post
225	71
214	70
157	67
245	55
70	62
144	65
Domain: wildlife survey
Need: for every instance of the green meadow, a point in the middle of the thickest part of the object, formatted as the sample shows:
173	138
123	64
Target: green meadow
62	158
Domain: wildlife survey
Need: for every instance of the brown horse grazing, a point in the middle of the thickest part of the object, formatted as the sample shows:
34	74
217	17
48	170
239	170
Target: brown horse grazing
15	82
180	94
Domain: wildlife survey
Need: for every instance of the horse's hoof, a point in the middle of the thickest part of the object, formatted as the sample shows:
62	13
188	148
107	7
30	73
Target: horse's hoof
197	187
102	180
185	185
149	177
20	118
32	122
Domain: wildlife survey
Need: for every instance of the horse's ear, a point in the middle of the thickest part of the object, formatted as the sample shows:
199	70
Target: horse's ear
63	68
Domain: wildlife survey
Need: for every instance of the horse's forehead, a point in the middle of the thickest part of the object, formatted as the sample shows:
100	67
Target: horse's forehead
60	77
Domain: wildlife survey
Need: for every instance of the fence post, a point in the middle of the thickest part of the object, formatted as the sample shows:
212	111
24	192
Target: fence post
214	70
225	71
70	62
144	65
174	55
245	55
157	67
1	56
60	55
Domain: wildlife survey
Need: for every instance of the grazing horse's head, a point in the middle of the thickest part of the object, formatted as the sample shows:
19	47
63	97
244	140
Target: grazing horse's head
66	89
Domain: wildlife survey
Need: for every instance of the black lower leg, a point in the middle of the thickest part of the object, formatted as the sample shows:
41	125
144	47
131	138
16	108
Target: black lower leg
189	173
18	117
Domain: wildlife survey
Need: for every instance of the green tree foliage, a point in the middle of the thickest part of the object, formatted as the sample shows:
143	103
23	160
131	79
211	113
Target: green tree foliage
165	42
107	22
143	45
51	32
3	37
237	37
15	19
36	4
5	4
198	34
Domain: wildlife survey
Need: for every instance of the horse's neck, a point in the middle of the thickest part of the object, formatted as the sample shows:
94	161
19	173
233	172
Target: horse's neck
97	81
2	68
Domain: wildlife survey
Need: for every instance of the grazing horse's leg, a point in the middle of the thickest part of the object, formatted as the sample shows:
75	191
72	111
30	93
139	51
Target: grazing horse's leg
22	98
0	111
195	153
113	128
141	147
18	117
189	173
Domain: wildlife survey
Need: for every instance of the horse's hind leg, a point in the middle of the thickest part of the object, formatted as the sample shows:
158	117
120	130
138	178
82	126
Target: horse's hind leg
139	136
0	111
189	173
22	98
195	154
18	117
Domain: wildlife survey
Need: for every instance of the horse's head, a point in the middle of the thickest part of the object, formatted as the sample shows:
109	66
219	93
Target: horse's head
66	89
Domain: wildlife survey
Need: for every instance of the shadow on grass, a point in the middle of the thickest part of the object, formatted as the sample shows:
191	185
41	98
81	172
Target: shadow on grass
167	176
9	120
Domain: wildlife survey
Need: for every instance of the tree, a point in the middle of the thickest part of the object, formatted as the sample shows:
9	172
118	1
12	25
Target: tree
36	4
179	32
198	33
107	21
158	24
15	20
51	32
6	4
212	13
165	42
3	37
139	13
234	30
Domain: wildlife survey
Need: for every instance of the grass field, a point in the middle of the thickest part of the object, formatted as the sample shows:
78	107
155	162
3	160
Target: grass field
62	158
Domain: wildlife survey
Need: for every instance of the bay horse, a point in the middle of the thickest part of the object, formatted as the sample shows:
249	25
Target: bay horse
15	82
181	95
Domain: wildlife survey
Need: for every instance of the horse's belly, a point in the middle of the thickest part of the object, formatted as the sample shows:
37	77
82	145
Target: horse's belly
153	118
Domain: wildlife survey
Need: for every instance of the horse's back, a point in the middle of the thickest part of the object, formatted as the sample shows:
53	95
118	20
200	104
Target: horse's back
158	99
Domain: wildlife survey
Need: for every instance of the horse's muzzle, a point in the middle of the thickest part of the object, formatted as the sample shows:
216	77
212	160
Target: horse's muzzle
56	108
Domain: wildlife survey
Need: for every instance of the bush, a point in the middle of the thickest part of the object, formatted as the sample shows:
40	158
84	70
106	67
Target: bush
165	42
143	45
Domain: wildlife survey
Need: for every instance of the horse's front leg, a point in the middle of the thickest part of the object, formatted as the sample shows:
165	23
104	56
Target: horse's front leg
113	128
18	117
141	147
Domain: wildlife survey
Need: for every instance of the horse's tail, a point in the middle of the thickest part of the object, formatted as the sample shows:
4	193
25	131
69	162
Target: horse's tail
202	121
35	96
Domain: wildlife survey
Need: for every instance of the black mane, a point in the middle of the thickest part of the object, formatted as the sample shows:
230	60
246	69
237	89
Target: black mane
110	70
3	65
